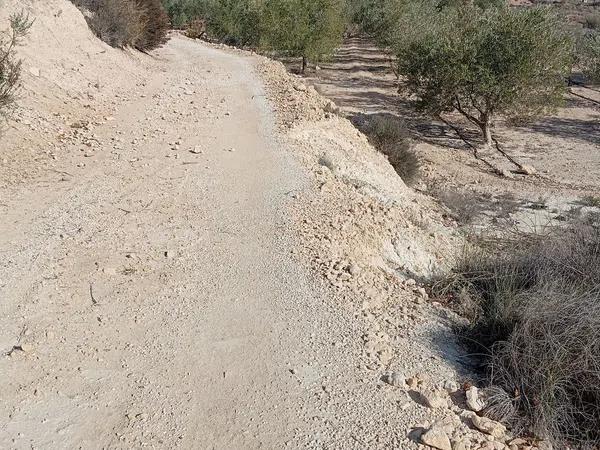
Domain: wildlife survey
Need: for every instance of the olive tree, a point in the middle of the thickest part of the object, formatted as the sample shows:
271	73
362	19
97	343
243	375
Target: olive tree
310	29
235	21
483	63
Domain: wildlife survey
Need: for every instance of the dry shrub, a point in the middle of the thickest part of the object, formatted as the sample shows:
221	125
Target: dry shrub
534	302
10	65
464	207
141	24
592	21
550	367
391	138
196	29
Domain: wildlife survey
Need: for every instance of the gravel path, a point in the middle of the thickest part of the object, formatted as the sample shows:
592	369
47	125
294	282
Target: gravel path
151	299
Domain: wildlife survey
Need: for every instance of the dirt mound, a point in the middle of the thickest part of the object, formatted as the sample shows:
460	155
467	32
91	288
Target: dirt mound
69	78
404	232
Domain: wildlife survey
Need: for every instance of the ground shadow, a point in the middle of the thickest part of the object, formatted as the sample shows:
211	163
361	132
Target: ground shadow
576	129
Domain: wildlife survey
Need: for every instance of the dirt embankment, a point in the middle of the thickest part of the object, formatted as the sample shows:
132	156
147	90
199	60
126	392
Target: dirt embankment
71	82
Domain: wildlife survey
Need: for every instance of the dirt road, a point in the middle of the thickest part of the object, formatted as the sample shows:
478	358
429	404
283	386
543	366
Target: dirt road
151	299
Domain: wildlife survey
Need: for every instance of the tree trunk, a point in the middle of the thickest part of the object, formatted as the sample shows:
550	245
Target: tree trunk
303	64
486	131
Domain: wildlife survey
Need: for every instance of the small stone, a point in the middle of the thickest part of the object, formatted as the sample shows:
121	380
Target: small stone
354	269
35	71
493	445
434	399
422	292
331	107
26	347
436	437
474	401
461	445
451	386
413	382
196	150
528	170
300	87
393	379
488	426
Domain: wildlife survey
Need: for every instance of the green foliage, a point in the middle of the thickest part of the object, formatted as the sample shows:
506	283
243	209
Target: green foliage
483	63
10	66
592	21
183	12
379	18
236	22
589	56
371	15
308	28
481	4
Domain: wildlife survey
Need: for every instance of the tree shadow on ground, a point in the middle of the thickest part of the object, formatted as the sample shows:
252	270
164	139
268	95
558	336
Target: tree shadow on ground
576	129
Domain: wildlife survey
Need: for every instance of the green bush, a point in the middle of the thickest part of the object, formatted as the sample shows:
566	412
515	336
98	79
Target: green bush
592	21
310	29
589	56
236	22
183	12
10	65
372	16
482	63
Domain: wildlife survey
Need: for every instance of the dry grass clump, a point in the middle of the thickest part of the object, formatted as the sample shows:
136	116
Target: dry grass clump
196	29
592	21
464	207
140	24
389	137
534	305
10	65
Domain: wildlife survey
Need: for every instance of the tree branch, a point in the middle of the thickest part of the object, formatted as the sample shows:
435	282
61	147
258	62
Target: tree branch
465	113
469	144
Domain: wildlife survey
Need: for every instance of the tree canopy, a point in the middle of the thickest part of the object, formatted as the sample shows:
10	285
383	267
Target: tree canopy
483	63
